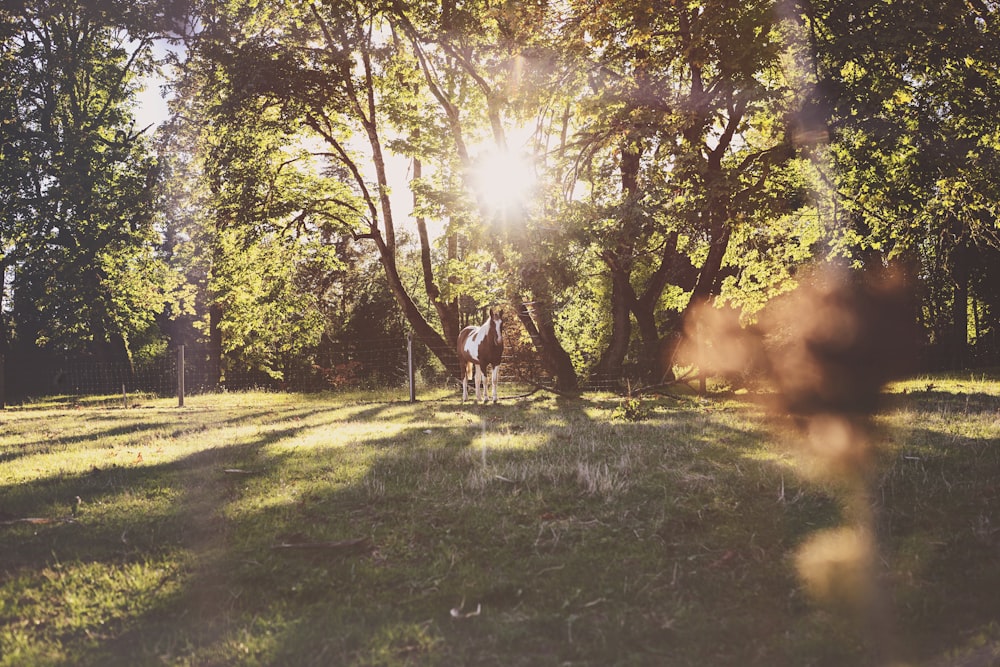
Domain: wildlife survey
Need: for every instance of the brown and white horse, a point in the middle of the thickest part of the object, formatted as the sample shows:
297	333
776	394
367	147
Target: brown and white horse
479	348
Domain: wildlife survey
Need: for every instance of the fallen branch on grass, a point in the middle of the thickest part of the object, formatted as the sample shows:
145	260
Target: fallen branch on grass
457	612
37	521
537	388
356	544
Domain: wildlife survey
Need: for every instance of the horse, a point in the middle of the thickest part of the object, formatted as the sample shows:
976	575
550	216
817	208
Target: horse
481	347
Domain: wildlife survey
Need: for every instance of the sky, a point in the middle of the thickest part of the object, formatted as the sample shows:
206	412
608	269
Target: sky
152	104
152	109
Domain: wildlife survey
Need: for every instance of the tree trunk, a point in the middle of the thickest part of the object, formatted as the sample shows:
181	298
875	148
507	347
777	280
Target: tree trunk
537	322
719	199
4	333
447	312
958	338
111	353
619	261
609	369
657	354
708	279
214	377
442	349
215	314
120	354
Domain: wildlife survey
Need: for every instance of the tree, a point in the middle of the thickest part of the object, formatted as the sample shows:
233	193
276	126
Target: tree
250	221
909	94
79	179
684	115
329	71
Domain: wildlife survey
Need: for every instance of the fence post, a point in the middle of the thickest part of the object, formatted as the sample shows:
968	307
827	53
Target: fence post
409	367
180	376
3	382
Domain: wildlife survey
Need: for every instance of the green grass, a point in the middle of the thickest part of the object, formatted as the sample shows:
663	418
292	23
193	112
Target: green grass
541	531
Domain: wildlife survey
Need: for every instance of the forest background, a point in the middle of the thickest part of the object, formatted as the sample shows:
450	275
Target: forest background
337	170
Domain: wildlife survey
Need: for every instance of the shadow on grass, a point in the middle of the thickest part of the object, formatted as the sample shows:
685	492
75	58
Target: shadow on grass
939	497
168	513
47	445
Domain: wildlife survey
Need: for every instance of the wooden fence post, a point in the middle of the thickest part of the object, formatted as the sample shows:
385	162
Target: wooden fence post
180	376
409	367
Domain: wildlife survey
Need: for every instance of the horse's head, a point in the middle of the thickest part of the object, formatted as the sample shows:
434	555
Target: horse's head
495	333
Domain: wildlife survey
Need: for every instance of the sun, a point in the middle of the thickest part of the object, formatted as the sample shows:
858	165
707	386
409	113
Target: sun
503	180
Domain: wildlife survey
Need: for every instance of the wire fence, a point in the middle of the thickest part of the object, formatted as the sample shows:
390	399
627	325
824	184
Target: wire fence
351	365
399	362
345	365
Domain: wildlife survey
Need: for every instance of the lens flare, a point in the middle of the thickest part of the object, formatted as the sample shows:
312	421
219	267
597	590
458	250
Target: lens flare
503	181
836	566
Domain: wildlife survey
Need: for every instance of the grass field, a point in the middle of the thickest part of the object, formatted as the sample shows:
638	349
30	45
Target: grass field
276	529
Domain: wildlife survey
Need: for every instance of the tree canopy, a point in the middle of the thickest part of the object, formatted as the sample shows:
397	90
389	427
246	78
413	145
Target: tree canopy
599	169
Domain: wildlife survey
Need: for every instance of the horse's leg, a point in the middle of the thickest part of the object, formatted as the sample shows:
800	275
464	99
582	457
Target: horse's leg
465	382
480	378
496	376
